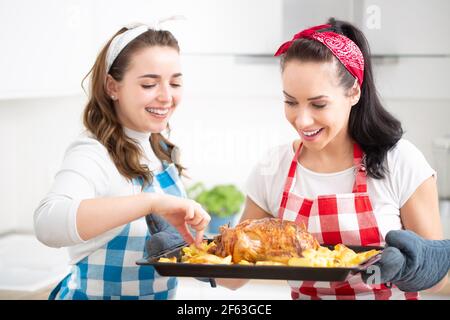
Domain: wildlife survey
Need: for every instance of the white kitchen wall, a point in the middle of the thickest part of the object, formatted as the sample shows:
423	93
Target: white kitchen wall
232	113
33	136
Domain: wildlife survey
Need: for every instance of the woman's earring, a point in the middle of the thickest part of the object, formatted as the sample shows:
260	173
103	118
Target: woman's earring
113	97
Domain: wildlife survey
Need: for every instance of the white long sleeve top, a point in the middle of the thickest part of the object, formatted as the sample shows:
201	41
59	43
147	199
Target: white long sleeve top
87	172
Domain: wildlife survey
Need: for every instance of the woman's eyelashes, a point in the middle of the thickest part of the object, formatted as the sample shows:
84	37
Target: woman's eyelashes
290	103
315	105
319	105
149	86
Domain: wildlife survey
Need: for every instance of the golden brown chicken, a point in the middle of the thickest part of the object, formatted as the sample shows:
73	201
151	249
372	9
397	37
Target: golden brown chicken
263	239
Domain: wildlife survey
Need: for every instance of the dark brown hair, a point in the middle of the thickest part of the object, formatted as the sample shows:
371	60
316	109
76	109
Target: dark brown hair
100	117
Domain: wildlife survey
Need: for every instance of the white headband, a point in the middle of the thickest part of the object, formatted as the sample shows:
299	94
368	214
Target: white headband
134	30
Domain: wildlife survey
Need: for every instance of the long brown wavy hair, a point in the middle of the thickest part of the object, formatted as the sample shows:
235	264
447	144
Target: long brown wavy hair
100	117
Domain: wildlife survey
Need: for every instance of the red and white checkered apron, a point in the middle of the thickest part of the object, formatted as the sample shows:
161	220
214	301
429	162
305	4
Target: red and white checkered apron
338	218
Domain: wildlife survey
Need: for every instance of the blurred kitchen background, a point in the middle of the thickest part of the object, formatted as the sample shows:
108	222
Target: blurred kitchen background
232	110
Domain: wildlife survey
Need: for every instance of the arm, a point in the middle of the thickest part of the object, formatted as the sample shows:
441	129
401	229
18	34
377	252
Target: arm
96	216
420	214
251	211
78	208
57	226
410	261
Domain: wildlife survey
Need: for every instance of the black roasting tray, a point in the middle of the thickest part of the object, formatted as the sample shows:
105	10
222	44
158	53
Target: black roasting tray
180	269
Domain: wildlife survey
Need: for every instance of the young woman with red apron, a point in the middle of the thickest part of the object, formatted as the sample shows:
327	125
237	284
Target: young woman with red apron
331	102
331	220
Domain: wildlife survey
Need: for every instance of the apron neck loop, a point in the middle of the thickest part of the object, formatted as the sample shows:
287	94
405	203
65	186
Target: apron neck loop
360	185
292	170
361	172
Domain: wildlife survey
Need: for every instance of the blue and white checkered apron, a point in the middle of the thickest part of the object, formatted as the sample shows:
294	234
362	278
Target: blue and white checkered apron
111	272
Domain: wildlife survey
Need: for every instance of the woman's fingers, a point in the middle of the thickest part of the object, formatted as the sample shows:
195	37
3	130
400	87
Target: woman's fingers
196	221
200	228
202	223
189	213
186	234
189	210
199	237
199	222
200	218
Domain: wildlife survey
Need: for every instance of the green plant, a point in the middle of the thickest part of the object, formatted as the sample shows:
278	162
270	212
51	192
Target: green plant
221	200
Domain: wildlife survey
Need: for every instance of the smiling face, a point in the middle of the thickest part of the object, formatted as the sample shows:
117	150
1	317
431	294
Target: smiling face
315	104
150	90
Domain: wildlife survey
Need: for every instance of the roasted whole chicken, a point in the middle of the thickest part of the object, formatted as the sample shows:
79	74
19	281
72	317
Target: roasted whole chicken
263	239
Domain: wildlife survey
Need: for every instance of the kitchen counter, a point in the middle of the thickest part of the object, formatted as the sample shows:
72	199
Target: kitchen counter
191	289
51	266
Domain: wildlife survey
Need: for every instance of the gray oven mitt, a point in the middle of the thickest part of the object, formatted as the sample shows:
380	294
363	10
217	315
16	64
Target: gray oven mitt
163	235
411	262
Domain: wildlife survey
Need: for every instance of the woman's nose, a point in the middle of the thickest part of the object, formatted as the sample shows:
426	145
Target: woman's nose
165	94
303	119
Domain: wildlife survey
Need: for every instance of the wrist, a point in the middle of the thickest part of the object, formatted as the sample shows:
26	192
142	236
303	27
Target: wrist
151	199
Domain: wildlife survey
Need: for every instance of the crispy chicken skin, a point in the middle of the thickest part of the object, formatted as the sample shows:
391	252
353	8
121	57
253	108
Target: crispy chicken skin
263	239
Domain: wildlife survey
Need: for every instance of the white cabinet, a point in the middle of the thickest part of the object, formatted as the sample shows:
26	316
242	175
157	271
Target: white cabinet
405	27
393	27
211	26
302	14
46	47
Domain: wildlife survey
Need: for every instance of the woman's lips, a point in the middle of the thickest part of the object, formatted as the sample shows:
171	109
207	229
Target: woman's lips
160	113
310	135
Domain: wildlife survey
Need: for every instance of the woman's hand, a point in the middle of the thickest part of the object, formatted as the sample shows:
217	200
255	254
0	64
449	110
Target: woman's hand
181	213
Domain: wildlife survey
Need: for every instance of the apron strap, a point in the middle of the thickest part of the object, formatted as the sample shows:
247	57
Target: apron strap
288	184
55	291
292	170
360	185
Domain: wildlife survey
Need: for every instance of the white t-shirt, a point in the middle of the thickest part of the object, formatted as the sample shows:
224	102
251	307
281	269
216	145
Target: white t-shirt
87	172
407	170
